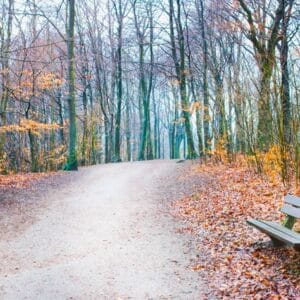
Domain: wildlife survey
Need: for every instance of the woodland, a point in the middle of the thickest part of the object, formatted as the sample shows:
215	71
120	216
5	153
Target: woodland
88	82
214	84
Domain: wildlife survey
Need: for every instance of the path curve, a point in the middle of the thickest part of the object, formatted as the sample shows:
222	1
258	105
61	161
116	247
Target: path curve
104	235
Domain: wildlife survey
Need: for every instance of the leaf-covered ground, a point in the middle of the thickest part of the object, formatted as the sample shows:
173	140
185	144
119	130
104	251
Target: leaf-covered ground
22	197
22	180
236	260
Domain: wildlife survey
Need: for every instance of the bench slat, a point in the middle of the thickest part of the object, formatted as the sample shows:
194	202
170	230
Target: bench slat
279	227
292	200
291	210
273	232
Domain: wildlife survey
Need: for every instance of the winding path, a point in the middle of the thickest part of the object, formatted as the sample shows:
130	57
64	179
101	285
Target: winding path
104	235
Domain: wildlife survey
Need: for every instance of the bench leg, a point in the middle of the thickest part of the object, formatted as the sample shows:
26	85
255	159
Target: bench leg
289	222
297	248
277	243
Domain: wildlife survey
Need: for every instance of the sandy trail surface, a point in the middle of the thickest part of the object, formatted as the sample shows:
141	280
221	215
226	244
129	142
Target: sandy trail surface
103	235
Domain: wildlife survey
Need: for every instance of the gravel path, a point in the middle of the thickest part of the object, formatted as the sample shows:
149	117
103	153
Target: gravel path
103	235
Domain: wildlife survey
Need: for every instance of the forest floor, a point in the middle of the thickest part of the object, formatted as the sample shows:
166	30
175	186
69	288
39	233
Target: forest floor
143	230
236	260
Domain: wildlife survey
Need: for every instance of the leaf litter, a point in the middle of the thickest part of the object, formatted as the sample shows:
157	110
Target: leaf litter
236	260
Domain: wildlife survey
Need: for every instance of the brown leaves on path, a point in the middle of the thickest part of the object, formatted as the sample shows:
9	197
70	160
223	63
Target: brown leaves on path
22	180
22	200
237	261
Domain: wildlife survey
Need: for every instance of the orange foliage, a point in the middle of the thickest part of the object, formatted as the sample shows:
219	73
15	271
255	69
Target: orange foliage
31	86
220	153
49	81
271	162
25	125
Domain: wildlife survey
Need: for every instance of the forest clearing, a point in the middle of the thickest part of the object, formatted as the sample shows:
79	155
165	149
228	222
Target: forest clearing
145	145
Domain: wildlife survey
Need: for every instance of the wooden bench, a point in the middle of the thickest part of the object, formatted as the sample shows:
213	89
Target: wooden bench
282	234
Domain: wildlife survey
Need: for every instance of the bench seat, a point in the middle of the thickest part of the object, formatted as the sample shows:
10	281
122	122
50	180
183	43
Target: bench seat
277	232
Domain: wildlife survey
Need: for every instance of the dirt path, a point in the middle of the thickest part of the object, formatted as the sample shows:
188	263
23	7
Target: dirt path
104	235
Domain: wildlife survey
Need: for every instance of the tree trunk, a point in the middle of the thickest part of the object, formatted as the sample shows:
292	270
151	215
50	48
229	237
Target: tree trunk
265	119
206	117
150	85
285	79
5	52
85	133
117	157
265	55
128	132
72	163
221	118
191	152
181	74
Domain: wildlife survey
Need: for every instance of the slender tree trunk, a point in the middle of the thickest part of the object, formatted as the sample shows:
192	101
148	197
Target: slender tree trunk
191	152
34	167
285	78
128	131
286	132
33	145
85	84
206	117
195	96
156	128
143	97
85	134
238	102
150	85
265	119
5	52
181	73
117	157
72	163
145	86
221	118
60	116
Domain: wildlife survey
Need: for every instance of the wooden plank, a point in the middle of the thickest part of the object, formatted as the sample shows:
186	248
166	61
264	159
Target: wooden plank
289	231
292	200
279	227
273	232
290	210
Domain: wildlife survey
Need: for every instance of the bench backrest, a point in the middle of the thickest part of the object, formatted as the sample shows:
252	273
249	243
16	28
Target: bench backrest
291	206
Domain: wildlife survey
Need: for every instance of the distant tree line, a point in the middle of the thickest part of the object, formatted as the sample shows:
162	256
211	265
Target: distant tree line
90	81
